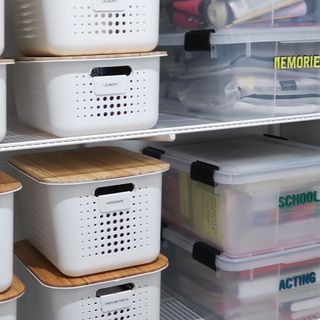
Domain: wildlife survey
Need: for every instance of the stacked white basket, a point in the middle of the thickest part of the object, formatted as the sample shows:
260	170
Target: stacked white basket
131	293
8	186
90	211
101	94
3	76
8	300
10	287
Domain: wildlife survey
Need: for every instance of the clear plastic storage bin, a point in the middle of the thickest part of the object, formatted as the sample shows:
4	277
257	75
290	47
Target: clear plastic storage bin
132	293
8	186
90	95
3	93
73	27
244	195
238	76
92	210
8	300
278	286
182	15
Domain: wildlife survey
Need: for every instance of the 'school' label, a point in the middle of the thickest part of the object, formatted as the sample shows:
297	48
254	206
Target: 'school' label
293	200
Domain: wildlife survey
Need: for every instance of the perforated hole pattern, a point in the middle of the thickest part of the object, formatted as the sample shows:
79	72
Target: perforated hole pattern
117	232
132	103
131	21
91	307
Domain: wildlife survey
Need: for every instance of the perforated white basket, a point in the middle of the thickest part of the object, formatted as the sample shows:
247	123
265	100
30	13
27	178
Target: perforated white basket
8	310
8	300
3	92
130	294
94	226
77	27
7	189
96	95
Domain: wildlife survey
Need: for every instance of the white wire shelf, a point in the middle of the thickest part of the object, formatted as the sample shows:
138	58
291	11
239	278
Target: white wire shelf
172	309
20	137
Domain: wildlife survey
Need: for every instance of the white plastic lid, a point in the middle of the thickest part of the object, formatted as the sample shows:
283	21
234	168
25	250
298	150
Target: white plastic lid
225	263
249	159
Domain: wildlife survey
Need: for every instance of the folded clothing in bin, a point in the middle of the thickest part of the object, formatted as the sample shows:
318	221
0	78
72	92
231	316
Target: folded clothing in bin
8	300
8	186
278	286
92	210
131	293
236	86
245	195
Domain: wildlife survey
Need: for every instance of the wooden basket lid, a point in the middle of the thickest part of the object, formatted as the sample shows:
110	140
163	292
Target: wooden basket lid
114	56
8	184
15	291
86	165
50	276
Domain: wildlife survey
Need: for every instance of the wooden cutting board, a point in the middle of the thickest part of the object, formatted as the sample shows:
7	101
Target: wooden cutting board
86	165
16	290
8	184
52	277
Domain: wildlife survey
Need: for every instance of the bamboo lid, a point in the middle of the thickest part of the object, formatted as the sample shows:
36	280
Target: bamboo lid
114	56
52	277
8	184
86	165
15	291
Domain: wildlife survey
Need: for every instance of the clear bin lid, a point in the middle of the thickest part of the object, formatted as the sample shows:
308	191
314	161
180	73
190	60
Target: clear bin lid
248	159
214	259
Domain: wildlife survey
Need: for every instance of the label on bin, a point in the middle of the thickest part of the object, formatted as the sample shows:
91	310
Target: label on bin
110	85
109	5
115	202
116	301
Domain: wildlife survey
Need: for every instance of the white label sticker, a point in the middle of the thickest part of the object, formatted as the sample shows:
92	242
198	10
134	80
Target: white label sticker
116	301
115	202
109	5
110	85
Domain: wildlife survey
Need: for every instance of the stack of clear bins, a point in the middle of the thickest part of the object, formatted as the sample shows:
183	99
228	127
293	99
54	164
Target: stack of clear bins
243	70
244	195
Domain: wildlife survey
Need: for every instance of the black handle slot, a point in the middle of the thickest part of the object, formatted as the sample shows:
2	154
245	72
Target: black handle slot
129	187
111	71
114	290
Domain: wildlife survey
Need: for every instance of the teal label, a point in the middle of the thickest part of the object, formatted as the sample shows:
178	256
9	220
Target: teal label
298	281
293	200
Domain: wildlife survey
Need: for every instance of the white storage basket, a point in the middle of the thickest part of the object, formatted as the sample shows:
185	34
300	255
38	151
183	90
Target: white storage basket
245	195
73	27
132	293
8	300
2	26
7	187
92	210
96	95
3	95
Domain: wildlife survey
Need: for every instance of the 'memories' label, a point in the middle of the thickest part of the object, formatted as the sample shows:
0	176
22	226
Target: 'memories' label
297	62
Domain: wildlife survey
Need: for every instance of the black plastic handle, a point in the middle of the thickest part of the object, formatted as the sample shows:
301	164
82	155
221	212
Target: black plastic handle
103	191
114	290
110	71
